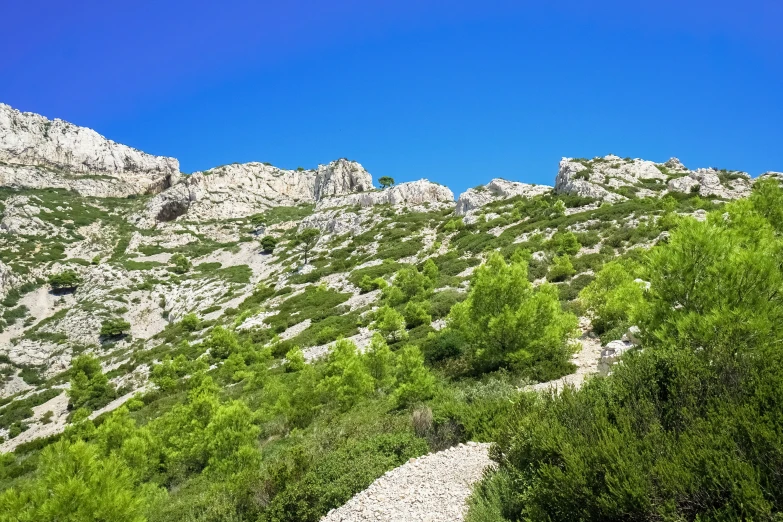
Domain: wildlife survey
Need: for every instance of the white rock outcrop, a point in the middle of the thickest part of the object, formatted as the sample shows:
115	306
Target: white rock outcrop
411	193
496	189
709	184
601	178
334	221
36	152
240	190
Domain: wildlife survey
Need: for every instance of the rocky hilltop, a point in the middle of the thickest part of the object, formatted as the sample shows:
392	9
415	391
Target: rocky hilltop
36	152
249	274
614	179
240	190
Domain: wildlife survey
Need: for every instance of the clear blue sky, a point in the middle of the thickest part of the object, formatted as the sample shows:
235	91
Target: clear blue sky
458	92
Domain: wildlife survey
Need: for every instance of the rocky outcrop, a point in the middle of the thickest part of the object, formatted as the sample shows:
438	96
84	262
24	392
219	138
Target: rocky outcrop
7	279
240	190
611	178
495	190
334	221
21	216
412	193
36	152
708	182
341	177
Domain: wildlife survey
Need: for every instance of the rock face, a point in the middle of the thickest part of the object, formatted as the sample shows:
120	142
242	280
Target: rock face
36	152
7	279
334	221
411	193
604	179
496	189
433	488
240	190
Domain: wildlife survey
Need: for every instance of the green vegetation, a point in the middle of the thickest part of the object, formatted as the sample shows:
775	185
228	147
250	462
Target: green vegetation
306	240
689	427
268	244
67	280
507	323
385	181
114	328
239	424
90	388
180	264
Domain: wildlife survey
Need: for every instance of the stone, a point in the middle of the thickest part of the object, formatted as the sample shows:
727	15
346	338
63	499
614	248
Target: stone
614	349
241	190
495	190
433	487
36	152
412	193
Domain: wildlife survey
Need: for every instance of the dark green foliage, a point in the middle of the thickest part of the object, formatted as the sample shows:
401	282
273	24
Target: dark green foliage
399	249
114	328
386	181
67	280
441	302
31	375
268	244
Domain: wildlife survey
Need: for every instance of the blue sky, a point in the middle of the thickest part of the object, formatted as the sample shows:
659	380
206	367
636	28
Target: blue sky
457	92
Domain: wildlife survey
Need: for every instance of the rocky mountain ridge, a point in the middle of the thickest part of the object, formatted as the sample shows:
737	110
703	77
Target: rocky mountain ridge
65	207
36	152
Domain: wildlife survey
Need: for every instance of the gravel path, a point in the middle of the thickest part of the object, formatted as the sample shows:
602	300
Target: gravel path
433	488
586	361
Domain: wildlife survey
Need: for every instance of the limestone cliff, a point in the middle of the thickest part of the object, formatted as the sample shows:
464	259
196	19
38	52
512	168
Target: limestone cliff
36	152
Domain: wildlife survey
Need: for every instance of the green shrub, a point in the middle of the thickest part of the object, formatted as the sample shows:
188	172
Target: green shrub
180	264
190	322
508	323
114	328
90	388
561	269
268	244
67	280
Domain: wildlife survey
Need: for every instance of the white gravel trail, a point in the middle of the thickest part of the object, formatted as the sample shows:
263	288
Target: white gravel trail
433	488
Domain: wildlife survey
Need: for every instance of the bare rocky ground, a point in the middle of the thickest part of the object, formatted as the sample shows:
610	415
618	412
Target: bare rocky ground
433	488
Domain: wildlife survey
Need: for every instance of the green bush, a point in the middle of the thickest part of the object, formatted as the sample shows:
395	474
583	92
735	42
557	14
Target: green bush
268	244
180	264
508	323
687	428
114	328
90	388
67	280
561	269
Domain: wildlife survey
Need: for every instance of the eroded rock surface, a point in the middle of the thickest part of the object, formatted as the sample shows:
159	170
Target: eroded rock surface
36	152
496	189
419	192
